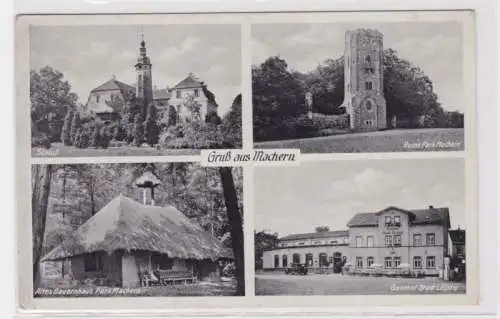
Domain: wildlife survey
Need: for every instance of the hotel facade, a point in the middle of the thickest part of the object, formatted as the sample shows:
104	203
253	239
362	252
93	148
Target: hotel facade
392	237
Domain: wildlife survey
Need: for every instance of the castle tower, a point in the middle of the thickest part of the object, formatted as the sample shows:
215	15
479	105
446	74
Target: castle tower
363	80
144	87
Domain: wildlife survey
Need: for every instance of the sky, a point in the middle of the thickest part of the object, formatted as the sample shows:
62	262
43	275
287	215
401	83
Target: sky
295	199
435	47
90	55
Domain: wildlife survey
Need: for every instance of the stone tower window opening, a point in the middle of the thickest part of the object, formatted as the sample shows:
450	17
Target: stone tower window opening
368	59
368	104
368	85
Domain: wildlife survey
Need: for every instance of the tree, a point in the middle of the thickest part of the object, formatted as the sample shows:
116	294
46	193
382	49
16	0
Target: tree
193	106
138	132
75	126
322	229
51	98
231	124
172	116
277	94
236	226
151	129
263	240
119	132
41	180
95	137
66	129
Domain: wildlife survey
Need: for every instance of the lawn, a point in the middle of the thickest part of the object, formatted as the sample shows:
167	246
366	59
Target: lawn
336	284
191	290
61	150
381	141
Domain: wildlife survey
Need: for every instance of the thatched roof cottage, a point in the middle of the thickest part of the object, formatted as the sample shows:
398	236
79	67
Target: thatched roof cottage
126	238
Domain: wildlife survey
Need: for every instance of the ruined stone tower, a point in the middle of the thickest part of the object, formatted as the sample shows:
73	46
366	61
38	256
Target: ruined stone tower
363	75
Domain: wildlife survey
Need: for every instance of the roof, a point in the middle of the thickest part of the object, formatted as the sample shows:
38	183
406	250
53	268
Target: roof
457	235
326	234
124	224
189	82
431	215
113	85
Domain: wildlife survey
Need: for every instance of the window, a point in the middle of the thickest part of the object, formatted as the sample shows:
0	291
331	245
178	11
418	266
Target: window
430	239
396	261
430	262
276	261
349	87
368	105
397	221
388	221
97	98
368	85
388	262
369	70
368	59
397	240
296	258
284	260
460	251
369	122
92	262
417	240
323	260
388	240
417	262
359	241
196	92
359	262
178	94
309	259
370	241
369	261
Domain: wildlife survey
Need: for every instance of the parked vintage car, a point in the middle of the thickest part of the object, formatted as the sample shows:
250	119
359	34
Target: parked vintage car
296	269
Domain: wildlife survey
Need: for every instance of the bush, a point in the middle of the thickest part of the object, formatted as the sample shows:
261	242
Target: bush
196	134
66	129
40	140
138	131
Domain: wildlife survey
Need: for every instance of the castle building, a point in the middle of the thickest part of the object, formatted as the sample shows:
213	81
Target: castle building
190	97
391	237
363	80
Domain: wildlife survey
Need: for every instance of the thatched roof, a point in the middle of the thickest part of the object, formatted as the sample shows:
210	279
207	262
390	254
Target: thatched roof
124	224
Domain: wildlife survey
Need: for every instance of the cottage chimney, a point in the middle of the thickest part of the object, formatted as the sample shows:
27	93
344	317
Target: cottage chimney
148	181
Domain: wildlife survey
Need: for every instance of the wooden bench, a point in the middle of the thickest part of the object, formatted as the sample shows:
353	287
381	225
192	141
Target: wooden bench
147	278
175	276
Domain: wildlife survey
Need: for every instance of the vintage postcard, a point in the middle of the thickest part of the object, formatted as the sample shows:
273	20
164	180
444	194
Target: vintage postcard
349	87
357	237
178	162
124	90
155	229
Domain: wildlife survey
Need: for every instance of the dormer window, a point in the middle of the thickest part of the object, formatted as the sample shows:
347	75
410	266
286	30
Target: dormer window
392	221
397	221
196	92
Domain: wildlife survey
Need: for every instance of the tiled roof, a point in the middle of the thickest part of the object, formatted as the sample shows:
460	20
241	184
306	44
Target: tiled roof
417	217
326	234
113	85
457	235
188	82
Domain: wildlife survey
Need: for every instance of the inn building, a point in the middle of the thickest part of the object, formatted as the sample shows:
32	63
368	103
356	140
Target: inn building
392	237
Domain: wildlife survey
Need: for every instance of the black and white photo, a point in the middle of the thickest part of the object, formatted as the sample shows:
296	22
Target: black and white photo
166	229
134	89
378	227
359	87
